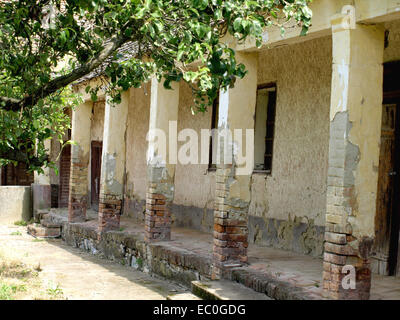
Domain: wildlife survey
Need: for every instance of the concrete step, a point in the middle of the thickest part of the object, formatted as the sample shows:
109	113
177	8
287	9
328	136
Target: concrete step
183	296
40	231
225	290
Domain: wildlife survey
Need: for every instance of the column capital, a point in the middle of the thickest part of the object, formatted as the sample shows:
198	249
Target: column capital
345	20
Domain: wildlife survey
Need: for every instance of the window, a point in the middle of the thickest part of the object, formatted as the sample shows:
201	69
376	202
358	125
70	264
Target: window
213	139
264	127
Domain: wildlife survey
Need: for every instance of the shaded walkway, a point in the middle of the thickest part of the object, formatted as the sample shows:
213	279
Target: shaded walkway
79	274
286	268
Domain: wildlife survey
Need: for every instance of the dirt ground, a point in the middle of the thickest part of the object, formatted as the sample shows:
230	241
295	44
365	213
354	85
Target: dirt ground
48	269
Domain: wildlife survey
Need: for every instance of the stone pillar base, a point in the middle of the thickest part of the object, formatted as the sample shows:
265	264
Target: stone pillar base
158	218
109	212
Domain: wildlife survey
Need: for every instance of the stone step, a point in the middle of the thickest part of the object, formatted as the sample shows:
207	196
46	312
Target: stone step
49	223
225	290
183	296
40	231
40	214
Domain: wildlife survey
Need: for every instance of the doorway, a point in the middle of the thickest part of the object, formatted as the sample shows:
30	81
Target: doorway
65	168
96	151
387	219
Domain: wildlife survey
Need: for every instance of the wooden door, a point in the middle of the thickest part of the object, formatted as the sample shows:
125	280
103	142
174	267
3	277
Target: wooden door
385	195
97	147
65	168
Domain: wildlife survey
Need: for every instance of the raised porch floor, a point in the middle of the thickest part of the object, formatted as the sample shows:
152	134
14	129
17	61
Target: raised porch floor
187	257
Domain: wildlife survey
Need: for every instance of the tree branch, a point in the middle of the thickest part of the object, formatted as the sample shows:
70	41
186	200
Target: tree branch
11	104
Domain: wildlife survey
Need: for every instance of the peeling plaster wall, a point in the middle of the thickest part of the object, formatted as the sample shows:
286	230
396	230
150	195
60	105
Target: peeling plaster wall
97	121
96	134
136	148
288	207
295	192
194	185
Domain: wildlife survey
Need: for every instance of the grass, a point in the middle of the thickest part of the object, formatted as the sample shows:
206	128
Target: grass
21	223
55	291
14	277
139	261
19	281
16	233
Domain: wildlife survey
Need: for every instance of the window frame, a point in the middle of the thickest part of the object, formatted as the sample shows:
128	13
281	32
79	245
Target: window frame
214	125
269	85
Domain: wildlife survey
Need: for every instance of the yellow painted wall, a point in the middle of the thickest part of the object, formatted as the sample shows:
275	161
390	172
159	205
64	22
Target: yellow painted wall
136	144
97	121
194	185
297	184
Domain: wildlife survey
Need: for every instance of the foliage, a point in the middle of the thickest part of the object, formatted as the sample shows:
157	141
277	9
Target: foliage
28	129
167	38
21	223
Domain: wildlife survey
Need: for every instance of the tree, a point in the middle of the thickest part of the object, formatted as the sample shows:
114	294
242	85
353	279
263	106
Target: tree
128	42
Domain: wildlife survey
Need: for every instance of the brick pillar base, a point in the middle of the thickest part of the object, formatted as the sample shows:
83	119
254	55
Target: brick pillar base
77	202
158	217
341	263
109	212
77	209
333	287
230	228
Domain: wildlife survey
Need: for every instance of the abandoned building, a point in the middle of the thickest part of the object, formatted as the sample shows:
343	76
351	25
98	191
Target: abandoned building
326	161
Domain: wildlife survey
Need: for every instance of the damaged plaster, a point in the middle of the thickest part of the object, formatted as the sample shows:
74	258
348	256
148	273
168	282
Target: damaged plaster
298	234
112	185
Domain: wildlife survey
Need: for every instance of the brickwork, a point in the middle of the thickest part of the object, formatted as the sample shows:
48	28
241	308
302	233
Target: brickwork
339	241
78	194
233	177
355	131
112	165
230	227
78	176
160	170
158	216
110	207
